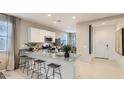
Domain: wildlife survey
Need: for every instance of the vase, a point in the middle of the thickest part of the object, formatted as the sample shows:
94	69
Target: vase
67	55
31	49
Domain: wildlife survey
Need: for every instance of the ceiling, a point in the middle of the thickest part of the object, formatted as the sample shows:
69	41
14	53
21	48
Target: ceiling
112	22
67	23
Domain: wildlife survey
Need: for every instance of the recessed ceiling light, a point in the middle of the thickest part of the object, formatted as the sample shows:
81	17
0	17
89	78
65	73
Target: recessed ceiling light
73	17
49	15
103	23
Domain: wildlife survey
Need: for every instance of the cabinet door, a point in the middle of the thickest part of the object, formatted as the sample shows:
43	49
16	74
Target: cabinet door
36	35
47	33
42	35
53	36
42	32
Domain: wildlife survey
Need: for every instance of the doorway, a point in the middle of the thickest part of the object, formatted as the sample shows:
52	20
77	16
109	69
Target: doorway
102	43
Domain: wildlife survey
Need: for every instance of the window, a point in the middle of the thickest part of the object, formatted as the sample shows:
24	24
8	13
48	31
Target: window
73	39
3	35
65	39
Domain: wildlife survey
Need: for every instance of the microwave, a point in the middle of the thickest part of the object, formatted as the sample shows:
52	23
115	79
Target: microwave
48	39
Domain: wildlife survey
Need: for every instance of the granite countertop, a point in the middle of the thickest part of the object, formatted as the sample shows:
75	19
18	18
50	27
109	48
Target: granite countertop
46	55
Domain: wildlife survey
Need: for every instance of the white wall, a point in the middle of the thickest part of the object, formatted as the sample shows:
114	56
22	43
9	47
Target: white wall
112	54
83	42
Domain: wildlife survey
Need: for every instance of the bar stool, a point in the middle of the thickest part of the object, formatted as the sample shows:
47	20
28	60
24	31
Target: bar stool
29	64
39	66
22	61
55	70
20	53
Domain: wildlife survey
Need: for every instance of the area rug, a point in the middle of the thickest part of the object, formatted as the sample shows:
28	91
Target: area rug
2	76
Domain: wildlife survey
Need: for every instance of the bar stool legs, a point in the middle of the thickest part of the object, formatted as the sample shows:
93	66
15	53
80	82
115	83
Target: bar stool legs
30	61
39	69
39	66
22	62
28	66
24	65
33	70
47	73
55	70
60	73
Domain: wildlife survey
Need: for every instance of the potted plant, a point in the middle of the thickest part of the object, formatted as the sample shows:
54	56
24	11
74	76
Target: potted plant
31	46
67	49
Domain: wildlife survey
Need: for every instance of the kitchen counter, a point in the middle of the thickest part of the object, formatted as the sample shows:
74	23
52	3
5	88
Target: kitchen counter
67	65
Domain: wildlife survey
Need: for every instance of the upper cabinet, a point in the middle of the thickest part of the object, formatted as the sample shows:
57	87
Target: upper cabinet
50	34
38	35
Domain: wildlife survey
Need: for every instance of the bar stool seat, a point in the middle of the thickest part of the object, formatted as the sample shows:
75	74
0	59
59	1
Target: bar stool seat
31	58
39	66
55	70
39	61
23	56
53	65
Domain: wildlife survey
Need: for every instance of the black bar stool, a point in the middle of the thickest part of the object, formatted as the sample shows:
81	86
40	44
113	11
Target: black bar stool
22	62
55	70
39	66
29	64
20	53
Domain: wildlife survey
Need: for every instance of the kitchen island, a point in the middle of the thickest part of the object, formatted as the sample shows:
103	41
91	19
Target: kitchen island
67	65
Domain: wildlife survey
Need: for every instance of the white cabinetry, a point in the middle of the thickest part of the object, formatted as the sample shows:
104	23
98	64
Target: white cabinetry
35	35
50	34
53	36
38	35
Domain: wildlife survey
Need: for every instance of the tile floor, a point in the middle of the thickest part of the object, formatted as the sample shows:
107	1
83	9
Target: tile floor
97	69
18	74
